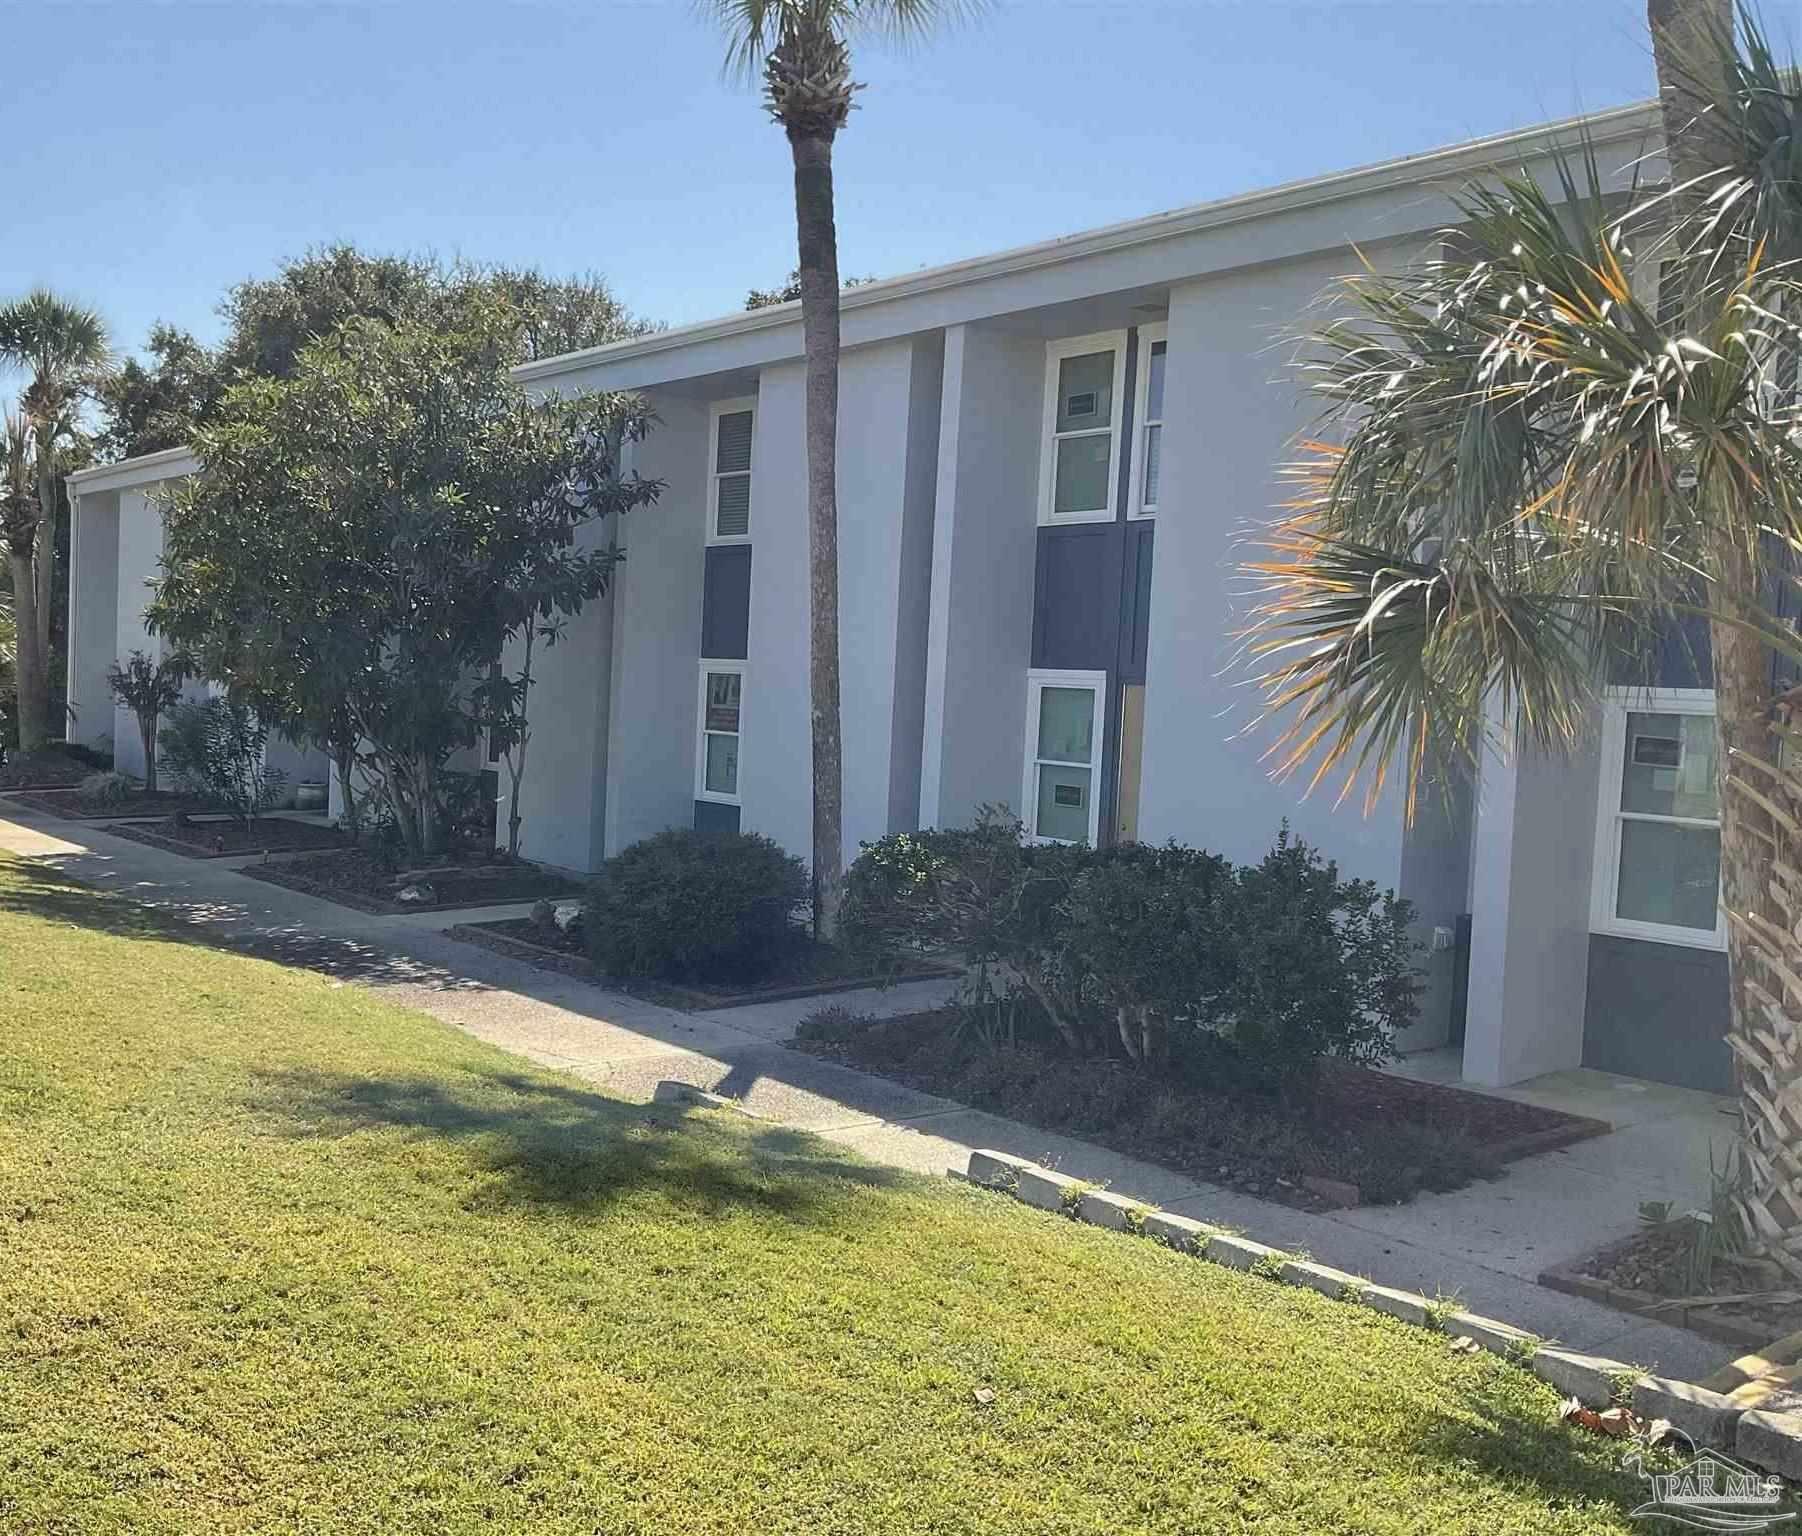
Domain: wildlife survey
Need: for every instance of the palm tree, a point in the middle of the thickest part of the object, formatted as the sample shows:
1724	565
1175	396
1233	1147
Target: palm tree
801	47
1529	460
18	535
61	347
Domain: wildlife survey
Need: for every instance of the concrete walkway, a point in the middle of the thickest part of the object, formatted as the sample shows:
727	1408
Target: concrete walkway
1483	1244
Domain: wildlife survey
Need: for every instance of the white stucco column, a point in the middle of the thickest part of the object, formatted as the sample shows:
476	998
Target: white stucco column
1531	852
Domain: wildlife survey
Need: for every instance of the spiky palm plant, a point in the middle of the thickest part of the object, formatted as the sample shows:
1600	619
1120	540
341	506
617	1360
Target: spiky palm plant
802	48
62	347
1530	457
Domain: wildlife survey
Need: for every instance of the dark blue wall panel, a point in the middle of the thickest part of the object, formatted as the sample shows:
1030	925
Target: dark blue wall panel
726	602
1076	604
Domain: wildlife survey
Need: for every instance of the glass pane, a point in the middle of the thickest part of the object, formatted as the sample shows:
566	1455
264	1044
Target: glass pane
1154	463
1669	767
734	451
722	765
1063	803
732	518
1082	474
1154	386
1067	724
1669	874
1085	392
722	701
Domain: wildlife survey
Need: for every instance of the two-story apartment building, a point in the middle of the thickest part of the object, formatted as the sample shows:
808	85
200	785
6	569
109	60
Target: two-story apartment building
1052	461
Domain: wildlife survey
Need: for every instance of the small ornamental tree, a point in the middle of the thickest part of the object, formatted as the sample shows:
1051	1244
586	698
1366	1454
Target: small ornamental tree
367	523
148	688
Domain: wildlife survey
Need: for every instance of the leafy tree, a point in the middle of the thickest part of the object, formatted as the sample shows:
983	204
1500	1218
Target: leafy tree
790	291
800	46
148	688
1527	455
147	406
62	349
150	407
360	530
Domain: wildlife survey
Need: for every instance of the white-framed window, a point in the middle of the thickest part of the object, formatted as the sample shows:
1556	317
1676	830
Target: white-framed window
731	427
1148	422
1658	819
1064	725
717	730
1085	377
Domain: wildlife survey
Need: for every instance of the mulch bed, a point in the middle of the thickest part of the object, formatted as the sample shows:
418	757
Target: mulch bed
142	807
817	970
1642	1273
49	769
1353	1136
355	877
222	839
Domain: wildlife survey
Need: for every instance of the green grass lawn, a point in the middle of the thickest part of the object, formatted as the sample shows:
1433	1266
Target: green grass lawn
275	1256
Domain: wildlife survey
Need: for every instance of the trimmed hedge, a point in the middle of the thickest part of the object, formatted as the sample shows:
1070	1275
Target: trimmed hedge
1158	954
697	907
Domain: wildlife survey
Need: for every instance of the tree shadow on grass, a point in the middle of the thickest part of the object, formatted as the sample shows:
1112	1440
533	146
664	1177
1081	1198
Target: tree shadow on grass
1543	1454
537	1141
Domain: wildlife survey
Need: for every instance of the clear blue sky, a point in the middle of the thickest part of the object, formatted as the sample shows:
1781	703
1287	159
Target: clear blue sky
151	154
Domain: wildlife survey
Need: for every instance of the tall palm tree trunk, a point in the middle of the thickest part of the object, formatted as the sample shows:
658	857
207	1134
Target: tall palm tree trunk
1764	1028
45	556
818	242
30	671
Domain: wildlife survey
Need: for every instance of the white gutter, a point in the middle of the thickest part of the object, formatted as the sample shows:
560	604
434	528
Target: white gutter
145	469
1614	126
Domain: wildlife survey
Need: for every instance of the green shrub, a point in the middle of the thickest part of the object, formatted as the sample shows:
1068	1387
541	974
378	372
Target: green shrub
984	893
1161	954
99	790
1316	965
215	748
697	906
1144	931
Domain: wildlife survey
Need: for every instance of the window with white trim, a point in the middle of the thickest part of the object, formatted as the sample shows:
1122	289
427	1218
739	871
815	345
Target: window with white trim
716	756
1148	423
1658	820
1062	789
729	471
1084	379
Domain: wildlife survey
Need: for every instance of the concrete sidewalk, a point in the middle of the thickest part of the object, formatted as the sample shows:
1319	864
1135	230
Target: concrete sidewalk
1484	1243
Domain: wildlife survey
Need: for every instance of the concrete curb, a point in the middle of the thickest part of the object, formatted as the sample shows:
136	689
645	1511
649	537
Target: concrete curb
1772	1441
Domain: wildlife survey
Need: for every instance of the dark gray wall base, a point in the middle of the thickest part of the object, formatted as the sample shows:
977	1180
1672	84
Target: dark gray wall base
1658	1011
711	816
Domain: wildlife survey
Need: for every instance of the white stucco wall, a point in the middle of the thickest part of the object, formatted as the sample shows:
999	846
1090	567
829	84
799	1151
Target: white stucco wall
983	551
140	551
563	799
1232	412
655	618
1531	851
93	616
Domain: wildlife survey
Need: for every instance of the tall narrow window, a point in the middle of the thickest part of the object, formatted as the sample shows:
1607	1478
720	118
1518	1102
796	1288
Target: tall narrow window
722	699
729	477
1148	423
1063	752
1083	380
1658	832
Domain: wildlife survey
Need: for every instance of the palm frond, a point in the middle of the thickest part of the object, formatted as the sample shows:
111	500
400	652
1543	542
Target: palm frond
1521	453
754	28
